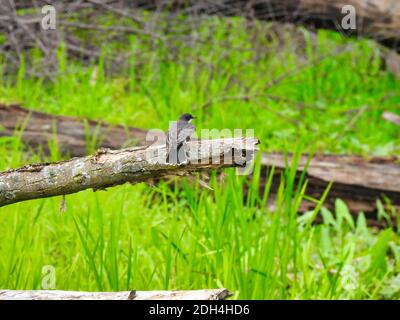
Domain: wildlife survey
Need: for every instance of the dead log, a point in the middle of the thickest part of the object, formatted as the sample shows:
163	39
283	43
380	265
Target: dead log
71	134
108	168
208	294
359	182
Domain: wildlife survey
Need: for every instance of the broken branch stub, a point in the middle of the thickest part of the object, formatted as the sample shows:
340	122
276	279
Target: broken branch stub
109	168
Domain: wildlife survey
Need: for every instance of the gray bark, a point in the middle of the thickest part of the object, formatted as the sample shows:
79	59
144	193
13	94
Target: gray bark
109	168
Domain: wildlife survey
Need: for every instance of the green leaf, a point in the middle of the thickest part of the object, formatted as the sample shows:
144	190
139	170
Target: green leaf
343	213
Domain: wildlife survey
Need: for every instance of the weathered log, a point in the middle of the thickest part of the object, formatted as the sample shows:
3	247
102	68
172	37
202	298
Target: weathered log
109	168
208	294
378	173
71	134
358	181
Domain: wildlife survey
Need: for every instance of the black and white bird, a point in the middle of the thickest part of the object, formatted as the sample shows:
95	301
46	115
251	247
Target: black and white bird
179	132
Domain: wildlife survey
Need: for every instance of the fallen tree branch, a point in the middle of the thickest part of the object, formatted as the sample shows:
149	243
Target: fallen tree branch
108	168
358	181
208	294
71	134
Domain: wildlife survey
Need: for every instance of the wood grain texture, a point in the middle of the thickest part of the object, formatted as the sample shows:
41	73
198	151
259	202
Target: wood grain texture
359	182
71	133
374	173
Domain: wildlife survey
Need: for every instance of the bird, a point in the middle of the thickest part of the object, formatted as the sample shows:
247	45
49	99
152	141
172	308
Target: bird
178	133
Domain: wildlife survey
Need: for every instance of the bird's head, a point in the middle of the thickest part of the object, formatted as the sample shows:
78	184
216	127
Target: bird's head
186	117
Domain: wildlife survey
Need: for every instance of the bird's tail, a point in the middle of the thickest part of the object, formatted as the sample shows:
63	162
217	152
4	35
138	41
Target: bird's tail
176	155
172	156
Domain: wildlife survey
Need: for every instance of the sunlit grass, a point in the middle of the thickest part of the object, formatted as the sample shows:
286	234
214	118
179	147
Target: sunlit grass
319	93
187	237
142	237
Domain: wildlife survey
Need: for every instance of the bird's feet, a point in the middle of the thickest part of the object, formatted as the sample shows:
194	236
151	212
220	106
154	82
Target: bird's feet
184	163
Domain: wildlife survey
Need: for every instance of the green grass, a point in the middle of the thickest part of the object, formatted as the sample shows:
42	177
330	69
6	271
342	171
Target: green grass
147	238
156	237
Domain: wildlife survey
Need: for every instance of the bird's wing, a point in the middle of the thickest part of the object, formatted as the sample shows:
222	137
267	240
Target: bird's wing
185	131
172	134
178	133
